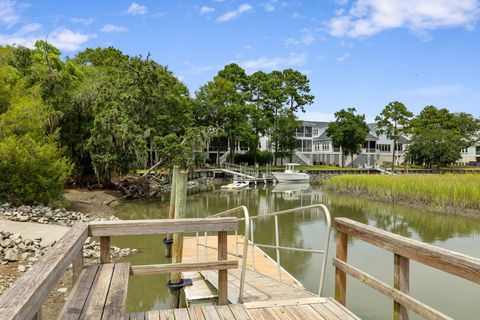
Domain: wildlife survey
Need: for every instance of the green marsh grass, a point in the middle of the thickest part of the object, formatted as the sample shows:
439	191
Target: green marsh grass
444	191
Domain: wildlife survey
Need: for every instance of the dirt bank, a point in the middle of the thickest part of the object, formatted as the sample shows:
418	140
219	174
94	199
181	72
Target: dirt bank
93	202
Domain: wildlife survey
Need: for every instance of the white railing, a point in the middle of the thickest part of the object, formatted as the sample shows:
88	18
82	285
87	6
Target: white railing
349	160
223	158
249	241
302	157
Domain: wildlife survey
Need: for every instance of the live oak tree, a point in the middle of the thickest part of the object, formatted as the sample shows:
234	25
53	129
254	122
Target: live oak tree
284	133
348	131
439	135
222	103
393	121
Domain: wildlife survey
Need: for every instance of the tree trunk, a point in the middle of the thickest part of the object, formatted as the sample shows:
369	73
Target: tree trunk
232	149
393	156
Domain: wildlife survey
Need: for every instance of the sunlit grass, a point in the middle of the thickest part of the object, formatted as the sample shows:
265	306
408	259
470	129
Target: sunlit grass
457	191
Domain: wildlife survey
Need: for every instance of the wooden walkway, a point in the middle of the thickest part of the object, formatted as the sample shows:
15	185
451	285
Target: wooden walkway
263	263
260	285
308	309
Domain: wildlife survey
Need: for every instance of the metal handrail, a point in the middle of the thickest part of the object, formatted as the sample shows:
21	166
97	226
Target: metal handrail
249	237
277	247
246	218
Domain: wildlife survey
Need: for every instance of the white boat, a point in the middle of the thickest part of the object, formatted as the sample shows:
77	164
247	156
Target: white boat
290	175
236	185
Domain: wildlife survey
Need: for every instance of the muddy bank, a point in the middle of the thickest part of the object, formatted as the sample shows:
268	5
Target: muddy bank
92	202
469	213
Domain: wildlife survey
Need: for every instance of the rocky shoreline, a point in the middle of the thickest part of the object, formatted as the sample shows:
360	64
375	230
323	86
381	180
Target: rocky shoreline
14	248
46	215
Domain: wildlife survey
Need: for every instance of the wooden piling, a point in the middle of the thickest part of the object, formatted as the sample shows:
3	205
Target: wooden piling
171	210
341	276
401	282
177	247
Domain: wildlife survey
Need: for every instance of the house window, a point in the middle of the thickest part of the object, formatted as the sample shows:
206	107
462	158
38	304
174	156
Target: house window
464	150
383	147
301	132
326	146
315	132
308	132
399	147
316	146
307	146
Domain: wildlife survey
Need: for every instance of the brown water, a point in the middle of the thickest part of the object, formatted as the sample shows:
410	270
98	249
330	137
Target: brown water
454	296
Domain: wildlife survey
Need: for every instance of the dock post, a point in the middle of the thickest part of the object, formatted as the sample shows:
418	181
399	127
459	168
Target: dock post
222	274
171	213
104	250
401	282
341	276
177	246
77	266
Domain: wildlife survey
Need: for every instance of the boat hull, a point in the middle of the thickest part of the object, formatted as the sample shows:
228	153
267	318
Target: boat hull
291	177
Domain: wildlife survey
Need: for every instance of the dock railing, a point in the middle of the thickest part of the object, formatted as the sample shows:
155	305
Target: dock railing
25	297
404	250
250	243
107	229
312	208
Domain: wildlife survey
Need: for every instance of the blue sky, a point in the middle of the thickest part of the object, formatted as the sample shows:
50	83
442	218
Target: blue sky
361	53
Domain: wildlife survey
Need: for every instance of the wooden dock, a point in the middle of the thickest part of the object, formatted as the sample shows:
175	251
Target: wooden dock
292	309
100	291
261	281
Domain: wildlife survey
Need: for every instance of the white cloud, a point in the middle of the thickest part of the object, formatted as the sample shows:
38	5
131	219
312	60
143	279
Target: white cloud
206	10
368	17
29	28
235	13
62	38
343	57
84	21
436	90
199	69
136	9
297	15
8	13
307	36
109	28
68	40
269	7
274	63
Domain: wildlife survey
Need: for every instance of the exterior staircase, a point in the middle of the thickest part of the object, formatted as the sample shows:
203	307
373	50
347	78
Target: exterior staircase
302	158
348	161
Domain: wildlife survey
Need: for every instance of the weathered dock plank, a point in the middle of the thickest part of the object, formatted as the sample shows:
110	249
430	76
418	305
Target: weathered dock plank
319	309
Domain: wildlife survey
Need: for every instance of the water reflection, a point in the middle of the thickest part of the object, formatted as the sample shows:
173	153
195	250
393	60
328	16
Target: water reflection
307	230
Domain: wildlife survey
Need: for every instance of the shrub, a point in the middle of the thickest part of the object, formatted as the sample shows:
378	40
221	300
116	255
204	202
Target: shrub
32	168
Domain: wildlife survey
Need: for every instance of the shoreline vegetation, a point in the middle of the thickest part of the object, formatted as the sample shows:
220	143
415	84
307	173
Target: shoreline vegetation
448	193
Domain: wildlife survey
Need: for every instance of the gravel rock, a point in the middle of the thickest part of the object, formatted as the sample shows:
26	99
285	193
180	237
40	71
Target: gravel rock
45	215
21	268
11	255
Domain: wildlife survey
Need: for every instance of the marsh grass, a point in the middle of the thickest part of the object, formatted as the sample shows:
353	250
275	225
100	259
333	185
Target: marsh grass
445	191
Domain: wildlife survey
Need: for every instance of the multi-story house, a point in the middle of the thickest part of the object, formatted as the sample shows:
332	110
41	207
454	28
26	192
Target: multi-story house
315	147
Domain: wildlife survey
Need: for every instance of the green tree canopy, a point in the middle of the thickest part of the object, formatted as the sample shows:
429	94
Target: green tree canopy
393	121
349	130
439	135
